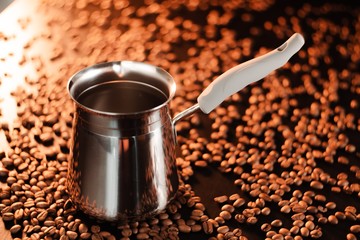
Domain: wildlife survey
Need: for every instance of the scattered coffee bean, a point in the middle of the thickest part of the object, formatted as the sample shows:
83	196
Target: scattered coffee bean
304	232
42	215
351	236
249	142
355	229
7	216
223	229
72	234
239	202
316	233
277	236
95	229
85	235
221	199
332	219
310	225
15	229
265	227
208	227
184	228
276	223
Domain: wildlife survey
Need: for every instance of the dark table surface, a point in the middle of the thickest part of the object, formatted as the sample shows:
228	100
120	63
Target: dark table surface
44	42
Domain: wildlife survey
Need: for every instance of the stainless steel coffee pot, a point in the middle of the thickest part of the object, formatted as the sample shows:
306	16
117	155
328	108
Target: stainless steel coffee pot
122	164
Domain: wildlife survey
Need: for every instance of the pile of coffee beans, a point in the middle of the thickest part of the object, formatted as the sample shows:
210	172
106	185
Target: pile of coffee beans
288	145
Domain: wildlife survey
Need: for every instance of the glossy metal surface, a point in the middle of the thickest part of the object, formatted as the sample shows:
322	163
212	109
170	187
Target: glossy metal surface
122	166
4	4
187	112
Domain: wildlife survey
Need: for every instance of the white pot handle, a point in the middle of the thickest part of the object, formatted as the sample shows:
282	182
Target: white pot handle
246	73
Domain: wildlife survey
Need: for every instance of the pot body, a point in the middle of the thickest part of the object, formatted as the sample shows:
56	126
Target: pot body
122	165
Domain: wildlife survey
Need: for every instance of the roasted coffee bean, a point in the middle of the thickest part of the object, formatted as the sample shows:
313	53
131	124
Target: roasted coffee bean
48	174
35	236
294	230
298	223
239	202
284	231
225	215
64	237
304	232
105	234
17	205
322	220
168	222
270	234
285	209
240	218
142	236
351	236
83	228
316	233
50	230
332	219
15	229
219	220
266	211
23	166
252	220
208	227
197	212
85	235
265	227
96	236
196	228
355	229
278	237
16	187
340	215
34	221
3	172
42	204
330	205
276	223
49	223
126	232
7	162
310	225
42	215
8	216
18	215
95	229
184	228
350	215
221	199
72	234
234	197
227	207
223	229
320	198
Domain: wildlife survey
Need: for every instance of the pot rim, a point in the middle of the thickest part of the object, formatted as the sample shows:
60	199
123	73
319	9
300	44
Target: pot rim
121	70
